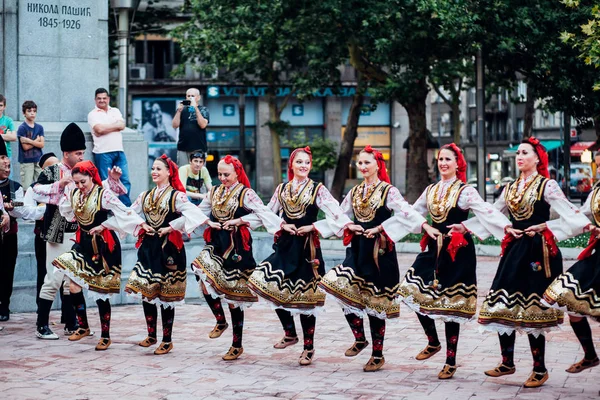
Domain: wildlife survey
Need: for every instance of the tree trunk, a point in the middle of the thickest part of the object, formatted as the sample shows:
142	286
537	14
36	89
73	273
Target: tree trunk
274	117
529	113
456	124
347	147
597	128
417	168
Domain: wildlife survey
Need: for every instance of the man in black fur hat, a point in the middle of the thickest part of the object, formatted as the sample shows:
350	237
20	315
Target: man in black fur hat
57	231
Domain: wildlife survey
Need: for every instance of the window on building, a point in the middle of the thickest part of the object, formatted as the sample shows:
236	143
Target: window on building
522	91
158	56
472	98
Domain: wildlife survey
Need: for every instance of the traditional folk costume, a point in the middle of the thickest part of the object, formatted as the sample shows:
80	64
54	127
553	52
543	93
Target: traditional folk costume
528	265
288	278
226	262
58	232
159	276
442	282
577	291
368	279
94	262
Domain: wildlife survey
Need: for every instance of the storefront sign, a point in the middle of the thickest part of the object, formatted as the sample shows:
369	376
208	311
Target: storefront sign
259	91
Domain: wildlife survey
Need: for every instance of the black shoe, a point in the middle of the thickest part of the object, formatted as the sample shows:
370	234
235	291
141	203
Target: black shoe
44	332
4	317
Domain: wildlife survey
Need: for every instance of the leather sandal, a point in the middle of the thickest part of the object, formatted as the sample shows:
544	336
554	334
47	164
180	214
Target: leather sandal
163	348
218	330
233	353
536	379
306	357
428	352
103	344
583	365
501	370
80	333
356	348
447	372
374	364
149	341
286	341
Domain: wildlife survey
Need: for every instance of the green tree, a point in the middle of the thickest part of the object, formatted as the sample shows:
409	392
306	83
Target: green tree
271	42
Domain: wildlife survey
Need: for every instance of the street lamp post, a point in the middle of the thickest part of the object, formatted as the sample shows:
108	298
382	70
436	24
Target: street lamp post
242	109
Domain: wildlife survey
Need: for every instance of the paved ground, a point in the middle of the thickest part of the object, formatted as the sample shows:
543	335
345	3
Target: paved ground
36	369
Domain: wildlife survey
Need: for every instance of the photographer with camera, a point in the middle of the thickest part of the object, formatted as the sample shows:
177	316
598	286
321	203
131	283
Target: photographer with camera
192	120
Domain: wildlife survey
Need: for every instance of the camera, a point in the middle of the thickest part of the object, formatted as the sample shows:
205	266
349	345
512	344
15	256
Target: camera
186	102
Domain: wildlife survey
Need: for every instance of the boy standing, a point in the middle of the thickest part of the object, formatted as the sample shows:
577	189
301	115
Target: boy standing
31	139
7	127
194	176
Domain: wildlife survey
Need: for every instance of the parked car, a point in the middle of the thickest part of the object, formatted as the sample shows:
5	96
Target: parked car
503	182
491	185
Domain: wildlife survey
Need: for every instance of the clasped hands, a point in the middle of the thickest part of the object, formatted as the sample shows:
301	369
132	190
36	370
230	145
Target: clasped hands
530	231
293	230
151	231
227	225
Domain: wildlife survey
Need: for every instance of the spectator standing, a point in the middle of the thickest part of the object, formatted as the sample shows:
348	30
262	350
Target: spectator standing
31	140
194	176
106	123
7	127
192	120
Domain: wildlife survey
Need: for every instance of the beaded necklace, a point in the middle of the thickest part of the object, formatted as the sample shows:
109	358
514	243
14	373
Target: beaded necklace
516	195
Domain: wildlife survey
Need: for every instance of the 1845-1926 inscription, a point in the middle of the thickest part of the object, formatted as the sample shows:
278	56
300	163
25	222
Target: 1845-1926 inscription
59	16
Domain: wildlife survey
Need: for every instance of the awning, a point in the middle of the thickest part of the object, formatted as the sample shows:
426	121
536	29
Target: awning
548	144
578	148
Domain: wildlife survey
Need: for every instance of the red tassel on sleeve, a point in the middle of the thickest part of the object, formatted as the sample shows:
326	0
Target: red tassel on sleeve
108	239
316	240
424	241
348	235
589	249
78	235
550	242
245	232
208	235
140	238
176	238
505	242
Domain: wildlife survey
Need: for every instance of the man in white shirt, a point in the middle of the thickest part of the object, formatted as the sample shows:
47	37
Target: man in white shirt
106	123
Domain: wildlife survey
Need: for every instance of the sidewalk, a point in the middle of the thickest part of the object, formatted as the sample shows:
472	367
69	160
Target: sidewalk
37	369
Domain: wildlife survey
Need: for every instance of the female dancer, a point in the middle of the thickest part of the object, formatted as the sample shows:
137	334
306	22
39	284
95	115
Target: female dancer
288	278
95	259
159	276
442	283
530	261
368	279
226	262
577	291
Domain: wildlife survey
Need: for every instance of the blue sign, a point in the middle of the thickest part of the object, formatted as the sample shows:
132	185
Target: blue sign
260	91
298	110
228	110
212	91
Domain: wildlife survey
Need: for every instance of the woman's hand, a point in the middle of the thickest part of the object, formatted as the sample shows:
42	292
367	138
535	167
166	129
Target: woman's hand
304	230
517	233
532	230
232	223
165	231
458	228
432	232
372	232
149	230
356	229
214	225
4	220
97	230
290	228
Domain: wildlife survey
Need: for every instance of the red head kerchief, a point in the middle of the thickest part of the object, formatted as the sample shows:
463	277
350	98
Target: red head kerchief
540	150
293	156
382	172
461	164
87	168
173	174
238	168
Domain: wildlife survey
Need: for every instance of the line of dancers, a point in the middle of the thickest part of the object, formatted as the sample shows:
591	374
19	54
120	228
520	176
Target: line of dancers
528	294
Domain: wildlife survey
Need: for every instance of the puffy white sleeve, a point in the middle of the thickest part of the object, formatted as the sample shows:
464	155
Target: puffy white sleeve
488	220
124	220
405	220
327	229
191	216
261	215
30	209
420	205
274	204
49	193
114	185
64	205
206	205
136	207
586	208
335	218
571	220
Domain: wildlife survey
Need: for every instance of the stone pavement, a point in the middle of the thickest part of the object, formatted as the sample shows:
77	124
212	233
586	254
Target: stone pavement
37	369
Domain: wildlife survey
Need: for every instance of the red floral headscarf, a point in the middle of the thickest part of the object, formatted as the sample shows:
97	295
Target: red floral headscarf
238	168
540	150
461	164
173	174
87	168
382	171
293	156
